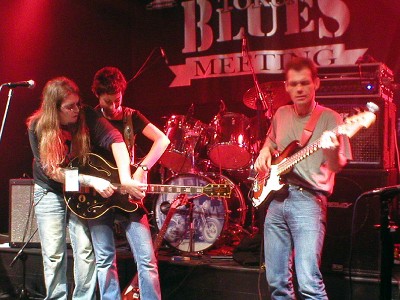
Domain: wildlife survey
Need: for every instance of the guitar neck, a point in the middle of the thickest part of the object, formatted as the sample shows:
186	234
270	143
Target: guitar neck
161	189
305	152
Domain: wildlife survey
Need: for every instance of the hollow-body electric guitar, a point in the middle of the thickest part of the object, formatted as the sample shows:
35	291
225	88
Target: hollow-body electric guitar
265	184
88	204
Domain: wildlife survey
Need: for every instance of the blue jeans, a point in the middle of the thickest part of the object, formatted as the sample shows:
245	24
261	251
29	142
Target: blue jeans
52	219
294	231
138	234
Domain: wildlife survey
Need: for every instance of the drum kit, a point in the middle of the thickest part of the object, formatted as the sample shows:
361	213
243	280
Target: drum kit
221	152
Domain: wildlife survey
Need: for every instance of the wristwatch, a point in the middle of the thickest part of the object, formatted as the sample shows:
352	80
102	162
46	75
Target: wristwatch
144	168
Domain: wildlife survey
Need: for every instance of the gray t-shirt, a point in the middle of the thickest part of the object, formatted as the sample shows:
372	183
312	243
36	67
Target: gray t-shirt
311	172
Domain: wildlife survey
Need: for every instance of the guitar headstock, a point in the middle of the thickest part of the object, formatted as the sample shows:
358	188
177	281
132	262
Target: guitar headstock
217	190
362	119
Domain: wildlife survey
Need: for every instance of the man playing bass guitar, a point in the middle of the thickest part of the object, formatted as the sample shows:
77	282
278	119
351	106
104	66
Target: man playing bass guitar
295	222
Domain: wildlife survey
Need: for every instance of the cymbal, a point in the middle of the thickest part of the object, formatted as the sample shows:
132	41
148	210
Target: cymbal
274	93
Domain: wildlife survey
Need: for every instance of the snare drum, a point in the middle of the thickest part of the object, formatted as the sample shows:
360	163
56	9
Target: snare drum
229	146
186	137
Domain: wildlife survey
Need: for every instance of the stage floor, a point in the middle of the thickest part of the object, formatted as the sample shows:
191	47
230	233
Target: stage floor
183	277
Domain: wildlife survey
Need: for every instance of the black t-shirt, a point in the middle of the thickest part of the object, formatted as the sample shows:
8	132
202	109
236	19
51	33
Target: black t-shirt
139	122
102	135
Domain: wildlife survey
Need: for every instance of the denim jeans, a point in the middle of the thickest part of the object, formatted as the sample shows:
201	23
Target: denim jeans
52	219
137	231
294	229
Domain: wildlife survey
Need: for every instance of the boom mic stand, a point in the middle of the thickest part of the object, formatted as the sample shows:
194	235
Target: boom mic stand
23	294
261	105
10	94
146	63
20	255
386	195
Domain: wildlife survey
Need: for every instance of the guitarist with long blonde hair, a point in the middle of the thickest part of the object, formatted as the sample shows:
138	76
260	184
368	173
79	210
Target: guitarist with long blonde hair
295	223
60	130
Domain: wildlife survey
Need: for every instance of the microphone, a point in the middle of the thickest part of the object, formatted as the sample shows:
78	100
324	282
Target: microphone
29	84
222	107
164	55
190	112
244	45
386	191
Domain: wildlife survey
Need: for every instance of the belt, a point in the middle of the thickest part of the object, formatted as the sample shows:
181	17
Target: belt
302	188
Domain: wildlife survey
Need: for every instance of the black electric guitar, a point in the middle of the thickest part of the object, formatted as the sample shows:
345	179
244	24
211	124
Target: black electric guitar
131	292
88	204
265	184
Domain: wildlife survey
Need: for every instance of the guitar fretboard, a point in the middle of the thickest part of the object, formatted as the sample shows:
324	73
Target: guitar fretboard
159	189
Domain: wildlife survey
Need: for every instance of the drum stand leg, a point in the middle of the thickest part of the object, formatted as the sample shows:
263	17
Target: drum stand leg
192	229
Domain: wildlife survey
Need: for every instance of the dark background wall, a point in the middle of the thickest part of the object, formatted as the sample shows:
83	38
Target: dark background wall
42	39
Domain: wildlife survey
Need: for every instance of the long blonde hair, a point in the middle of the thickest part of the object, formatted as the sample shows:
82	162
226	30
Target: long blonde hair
46	123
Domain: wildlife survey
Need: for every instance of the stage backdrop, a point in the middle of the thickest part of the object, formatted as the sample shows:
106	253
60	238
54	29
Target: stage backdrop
188	52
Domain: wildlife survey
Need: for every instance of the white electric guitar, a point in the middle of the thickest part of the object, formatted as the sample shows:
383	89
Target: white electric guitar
265	184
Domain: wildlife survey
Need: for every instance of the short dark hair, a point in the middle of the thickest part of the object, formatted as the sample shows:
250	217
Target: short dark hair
299	63
108	80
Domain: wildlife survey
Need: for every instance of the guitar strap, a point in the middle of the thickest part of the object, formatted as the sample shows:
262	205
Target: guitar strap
310	126
129	136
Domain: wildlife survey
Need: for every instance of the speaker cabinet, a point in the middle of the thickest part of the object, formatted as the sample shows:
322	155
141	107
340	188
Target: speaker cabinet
372	147
22	222
353	228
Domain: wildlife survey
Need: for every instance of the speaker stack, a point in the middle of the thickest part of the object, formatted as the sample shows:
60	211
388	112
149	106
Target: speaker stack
353	237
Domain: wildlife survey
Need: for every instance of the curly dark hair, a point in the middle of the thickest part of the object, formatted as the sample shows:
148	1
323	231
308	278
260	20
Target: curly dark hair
108	80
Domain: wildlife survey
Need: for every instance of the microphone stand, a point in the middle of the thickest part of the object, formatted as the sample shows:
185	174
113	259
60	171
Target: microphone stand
23	294
146	64
387	249
261	105
10	94
386	195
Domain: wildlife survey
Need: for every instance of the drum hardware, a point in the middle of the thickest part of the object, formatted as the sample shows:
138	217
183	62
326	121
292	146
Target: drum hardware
187	137
274	92
201	223
259	97
229	146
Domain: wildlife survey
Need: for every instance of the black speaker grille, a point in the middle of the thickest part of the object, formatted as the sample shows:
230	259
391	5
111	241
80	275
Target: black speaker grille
372	147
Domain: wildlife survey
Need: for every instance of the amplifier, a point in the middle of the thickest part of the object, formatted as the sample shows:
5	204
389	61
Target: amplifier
368	79
22	221
353	237
372	147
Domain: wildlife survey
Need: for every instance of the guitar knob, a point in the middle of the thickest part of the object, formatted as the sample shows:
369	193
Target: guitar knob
164	207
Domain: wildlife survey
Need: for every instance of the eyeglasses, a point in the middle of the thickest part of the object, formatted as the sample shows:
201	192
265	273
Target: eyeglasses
72	107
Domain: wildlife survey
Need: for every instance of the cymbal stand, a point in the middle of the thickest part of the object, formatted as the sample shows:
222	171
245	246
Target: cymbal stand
191	138
260	102
261	105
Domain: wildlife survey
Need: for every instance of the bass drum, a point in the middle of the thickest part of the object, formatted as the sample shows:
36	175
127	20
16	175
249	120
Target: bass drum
208	216
236	203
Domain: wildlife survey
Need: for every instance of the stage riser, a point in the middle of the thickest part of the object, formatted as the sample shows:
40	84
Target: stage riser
200	280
